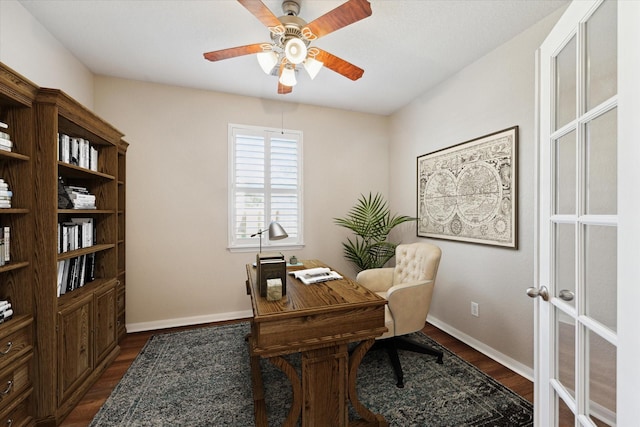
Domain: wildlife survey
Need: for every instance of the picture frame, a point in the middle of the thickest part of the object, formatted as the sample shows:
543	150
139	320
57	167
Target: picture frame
468	192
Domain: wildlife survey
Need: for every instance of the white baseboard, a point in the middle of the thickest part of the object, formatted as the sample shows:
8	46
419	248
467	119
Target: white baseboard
187	321
501	358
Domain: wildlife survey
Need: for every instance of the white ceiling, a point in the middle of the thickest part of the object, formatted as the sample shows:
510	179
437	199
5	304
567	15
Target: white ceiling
405	47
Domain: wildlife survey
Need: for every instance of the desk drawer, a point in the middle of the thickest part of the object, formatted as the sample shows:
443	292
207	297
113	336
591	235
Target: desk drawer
292	334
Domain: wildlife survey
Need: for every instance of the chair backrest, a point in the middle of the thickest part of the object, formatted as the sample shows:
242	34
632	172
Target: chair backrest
416	261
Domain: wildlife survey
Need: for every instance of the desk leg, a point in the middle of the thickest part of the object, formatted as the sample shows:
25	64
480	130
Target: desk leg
368	417
324	386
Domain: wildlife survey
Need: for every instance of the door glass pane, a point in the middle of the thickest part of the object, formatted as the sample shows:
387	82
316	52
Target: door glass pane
565	348
564	266
602	380
565	416
601	282
602	51
565	174
602	165
565	78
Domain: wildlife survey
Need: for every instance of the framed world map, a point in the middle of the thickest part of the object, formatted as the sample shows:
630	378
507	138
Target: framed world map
468	192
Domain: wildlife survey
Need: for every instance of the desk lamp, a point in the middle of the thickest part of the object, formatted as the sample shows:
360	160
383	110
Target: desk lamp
276	232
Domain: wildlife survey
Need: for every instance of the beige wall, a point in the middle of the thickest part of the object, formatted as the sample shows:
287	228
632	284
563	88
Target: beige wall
179	270
32	51
494	93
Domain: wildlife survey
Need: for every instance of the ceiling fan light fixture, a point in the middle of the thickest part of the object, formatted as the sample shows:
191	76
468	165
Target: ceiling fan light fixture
288	77
267	61
295	50
313	67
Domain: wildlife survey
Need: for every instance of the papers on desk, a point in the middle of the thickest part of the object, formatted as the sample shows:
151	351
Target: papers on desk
315	275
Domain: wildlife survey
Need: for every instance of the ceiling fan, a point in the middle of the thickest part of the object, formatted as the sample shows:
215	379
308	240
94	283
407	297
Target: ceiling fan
291	37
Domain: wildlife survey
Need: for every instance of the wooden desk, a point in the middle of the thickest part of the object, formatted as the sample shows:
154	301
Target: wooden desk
318	321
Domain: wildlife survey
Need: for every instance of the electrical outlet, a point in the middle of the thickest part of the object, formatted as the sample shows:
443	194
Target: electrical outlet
475	309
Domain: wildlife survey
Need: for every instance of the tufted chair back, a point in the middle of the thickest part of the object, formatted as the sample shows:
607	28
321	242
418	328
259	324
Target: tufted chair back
416	262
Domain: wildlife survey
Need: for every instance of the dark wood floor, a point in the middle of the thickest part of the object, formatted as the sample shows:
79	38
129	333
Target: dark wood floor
130	347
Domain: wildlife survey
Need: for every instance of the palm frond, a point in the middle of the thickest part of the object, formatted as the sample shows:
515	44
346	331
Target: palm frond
371	221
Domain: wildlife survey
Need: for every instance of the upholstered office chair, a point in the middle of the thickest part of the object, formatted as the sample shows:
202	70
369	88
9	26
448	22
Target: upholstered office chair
408	288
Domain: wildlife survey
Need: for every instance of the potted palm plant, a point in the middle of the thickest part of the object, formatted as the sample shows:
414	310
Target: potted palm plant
371	221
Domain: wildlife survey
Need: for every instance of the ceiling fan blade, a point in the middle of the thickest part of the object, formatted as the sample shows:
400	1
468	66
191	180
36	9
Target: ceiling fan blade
282	89
343	15
339	65
264	15
232	52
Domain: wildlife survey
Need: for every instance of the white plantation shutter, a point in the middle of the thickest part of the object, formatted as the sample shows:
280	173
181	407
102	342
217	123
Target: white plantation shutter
265	185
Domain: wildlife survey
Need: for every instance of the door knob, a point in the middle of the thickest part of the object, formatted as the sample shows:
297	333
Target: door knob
566	295
541	292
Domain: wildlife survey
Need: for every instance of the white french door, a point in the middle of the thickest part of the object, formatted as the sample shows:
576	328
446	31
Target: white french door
585	268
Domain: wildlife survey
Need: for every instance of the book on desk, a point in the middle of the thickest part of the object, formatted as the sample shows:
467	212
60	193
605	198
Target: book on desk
315	275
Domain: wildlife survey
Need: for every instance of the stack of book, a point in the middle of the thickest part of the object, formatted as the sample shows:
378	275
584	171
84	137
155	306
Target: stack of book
5	138
80	197
5	311
76	234
5	194
74	273
77	151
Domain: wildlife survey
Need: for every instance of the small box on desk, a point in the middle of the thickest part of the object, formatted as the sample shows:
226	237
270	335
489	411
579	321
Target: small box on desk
270	266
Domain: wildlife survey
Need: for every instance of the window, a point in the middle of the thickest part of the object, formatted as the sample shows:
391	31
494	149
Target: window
265	184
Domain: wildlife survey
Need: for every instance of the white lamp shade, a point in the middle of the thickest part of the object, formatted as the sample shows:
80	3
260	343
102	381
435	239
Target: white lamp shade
267	60
295	50
288	77
313	67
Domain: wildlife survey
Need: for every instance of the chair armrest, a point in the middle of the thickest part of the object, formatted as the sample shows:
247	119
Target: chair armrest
376	279
409	305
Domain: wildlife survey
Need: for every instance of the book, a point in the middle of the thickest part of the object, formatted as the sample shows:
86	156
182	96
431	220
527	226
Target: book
7	242
315	275
87	231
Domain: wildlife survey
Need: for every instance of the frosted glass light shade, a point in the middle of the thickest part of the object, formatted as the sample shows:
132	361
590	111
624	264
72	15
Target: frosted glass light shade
295	50
288	77
267	60
313	67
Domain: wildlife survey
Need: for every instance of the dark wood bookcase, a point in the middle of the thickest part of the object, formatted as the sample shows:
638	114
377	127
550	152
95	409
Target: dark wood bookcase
54	347
16	276
77	331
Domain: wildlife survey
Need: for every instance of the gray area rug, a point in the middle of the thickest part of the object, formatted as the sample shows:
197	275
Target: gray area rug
201	377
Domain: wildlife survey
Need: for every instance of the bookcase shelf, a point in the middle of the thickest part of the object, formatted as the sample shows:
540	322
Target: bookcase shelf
74	171
10	155
85	251
14	265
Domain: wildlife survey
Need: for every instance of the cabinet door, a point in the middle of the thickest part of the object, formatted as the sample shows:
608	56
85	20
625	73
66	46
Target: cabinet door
75	346
105	321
